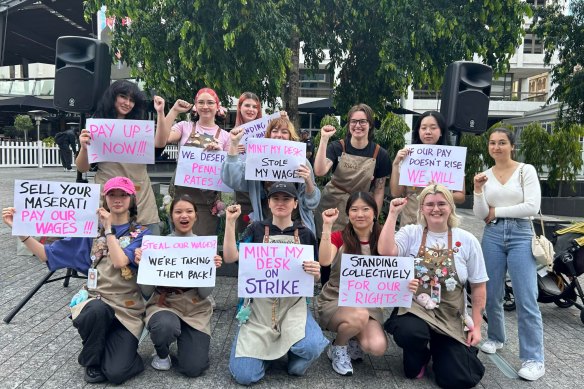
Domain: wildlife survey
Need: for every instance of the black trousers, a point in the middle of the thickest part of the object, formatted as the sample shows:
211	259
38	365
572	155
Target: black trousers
66	157
455	365
107	343
193	346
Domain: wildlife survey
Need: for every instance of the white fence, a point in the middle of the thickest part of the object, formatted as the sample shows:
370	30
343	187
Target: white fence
25	154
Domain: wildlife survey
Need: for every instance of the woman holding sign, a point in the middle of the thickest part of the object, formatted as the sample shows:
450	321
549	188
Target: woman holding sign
445	258
273	327
506	196
202	132
108	311
358	329
233	174
123	100
430	129
181	314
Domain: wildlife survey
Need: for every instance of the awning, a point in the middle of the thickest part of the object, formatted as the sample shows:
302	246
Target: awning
322	107
27	103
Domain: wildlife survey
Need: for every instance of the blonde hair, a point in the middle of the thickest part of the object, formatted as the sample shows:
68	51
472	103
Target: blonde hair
282	121
453	219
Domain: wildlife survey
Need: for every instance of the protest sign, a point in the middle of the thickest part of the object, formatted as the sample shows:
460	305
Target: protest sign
257	128
117	140
197	168
274	160
185	262
440	164
375	281
274	270
46	208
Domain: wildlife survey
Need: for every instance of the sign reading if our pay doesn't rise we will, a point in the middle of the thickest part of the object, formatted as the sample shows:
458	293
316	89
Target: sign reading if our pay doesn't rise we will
120	140
433	163
47	208
185	262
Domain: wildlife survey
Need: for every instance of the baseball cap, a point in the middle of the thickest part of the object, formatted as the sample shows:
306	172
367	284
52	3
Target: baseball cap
122	183
304	131
283	187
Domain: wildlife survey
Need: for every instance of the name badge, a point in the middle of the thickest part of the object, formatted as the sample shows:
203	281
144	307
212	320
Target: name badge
92	279
435	292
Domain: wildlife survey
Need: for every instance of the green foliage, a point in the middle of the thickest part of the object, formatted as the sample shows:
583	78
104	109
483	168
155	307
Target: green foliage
565	155
476	153
562	34
49	141
10	132
390	135
535	146
23	124
340	134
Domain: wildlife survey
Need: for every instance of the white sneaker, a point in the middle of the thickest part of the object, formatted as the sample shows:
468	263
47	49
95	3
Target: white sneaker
354	350
531	370
491	347
340	359
161	364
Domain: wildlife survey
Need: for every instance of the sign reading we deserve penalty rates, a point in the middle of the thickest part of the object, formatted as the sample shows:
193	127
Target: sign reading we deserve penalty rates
274	270
47	208
185	262
375	281
117	140
439	164
197	168
274	160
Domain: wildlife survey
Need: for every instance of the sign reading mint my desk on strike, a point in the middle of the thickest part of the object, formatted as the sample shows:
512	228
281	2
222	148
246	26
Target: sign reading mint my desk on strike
433	163
117	140
47	208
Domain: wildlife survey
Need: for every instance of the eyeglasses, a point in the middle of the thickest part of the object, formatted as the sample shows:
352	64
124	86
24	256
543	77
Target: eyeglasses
208	103
361	122
440	205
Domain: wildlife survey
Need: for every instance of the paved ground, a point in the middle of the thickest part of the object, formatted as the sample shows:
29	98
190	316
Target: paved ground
39	347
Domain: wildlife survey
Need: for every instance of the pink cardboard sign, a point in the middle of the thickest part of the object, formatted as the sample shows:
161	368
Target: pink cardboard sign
200	169
257	128
116	140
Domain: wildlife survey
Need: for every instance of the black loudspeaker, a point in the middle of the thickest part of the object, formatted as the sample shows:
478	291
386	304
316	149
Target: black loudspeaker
82	73
465	96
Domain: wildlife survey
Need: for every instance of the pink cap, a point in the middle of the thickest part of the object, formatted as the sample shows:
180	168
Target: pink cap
122	183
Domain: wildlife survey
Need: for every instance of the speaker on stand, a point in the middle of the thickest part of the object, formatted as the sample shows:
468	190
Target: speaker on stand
465	97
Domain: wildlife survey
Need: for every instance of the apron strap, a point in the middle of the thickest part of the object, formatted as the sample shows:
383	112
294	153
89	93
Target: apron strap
422	248
266	234
218	133
377	147
296	238
342	142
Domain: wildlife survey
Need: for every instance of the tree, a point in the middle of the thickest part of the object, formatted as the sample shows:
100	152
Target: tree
535	146
565	154
562	34
23	123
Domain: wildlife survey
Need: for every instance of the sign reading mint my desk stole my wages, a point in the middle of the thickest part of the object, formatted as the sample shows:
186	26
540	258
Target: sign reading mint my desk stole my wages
375	281
116	140
186	262
274	270
200	169
274	160
439	164
47	208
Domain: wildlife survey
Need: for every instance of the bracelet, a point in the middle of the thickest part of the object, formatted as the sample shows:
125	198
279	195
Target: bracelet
25	239
109	233
477	194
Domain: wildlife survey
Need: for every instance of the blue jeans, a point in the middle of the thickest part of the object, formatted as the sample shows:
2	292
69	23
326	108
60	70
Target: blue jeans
302	354
507	248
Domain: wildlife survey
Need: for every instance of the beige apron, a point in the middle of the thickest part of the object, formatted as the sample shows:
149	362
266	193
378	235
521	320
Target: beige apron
122	295
353	174
327	302
409	215
147	209
206	224
275	324
435	266
185	303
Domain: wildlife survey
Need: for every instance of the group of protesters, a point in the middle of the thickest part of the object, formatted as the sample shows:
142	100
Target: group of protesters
111	311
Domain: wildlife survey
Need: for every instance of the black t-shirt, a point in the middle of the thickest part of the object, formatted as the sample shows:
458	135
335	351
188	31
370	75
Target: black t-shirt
254	233
382	163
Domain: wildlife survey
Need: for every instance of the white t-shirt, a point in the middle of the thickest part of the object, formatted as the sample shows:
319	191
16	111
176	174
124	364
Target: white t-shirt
468	256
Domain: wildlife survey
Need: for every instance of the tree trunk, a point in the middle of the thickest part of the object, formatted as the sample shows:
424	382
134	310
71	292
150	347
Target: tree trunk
293	85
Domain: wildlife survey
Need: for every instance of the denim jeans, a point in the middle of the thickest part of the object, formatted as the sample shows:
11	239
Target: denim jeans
302	354
507	248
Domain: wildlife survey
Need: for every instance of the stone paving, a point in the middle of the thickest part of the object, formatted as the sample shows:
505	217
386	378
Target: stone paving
39	348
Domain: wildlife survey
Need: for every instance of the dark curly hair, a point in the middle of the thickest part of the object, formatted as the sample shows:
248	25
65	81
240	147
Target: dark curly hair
106	107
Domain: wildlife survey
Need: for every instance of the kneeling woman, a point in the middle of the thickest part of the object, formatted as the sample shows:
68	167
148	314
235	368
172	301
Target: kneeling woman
181	314
108	312
358	329
275	326
436	325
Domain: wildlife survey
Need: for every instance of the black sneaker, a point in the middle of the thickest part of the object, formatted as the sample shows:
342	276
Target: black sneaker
94	375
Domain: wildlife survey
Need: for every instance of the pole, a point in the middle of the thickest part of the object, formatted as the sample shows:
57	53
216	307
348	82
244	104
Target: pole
39	144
